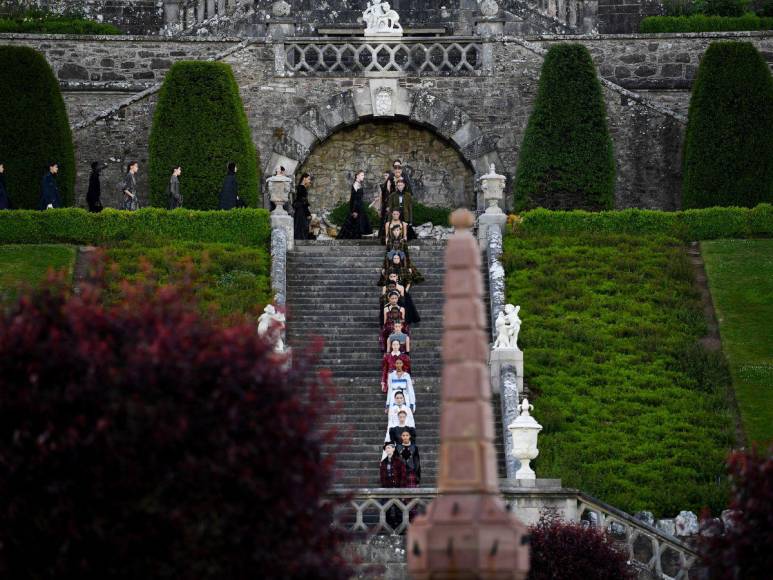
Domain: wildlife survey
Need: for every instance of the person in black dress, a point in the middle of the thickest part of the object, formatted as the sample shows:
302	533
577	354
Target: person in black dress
94	193
357	224
302	213
229	194
409	453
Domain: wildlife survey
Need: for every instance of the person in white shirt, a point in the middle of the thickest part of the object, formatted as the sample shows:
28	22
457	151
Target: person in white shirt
399	381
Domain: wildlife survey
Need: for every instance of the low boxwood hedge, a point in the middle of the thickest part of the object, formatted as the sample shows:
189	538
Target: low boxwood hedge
249	227
52	24
704	23
688	225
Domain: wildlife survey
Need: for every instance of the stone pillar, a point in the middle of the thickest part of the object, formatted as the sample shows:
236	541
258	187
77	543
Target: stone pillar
279	193
509	397
210	8
281	25
171	12
279	265
492	186
467	531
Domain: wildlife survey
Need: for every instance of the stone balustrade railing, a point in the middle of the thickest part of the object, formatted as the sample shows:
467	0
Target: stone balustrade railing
383	511
183	14
449	56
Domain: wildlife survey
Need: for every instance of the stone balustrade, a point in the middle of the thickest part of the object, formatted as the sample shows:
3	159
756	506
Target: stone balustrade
650	550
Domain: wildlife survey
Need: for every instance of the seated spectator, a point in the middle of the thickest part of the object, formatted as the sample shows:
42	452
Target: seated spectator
388	363
399	336
402	425
409	453
400	382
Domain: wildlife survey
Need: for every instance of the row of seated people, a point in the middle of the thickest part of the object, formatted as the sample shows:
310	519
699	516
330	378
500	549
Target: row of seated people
400	461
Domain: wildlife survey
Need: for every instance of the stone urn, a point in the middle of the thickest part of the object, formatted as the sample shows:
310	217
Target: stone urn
524	431
493	186
279	192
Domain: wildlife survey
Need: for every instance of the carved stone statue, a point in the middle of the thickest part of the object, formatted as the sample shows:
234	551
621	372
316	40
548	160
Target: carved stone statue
271	325
508	326
381	20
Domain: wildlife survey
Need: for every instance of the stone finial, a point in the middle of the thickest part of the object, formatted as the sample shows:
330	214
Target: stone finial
281	9
462	219
488	7
467	531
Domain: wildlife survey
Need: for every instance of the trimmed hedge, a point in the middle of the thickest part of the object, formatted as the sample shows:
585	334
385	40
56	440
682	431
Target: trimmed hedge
689	225
728	153
34	129
566	159
249	227
52	24
704	23
201	125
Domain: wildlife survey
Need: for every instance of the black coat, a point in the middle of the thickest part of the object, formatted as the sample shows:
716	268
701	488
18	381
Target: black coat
301	214
356	227
394	434
49	192
229	195
94	193
5	201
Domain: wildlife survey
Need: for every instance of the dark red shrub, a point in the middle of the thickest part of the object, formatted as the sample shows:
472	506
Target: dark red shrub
742	548
570	551
144	440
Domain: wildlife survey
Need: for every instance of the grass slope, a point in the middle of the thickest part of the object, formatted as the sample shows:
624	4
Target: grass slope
632	413
28	265
228	277
741	281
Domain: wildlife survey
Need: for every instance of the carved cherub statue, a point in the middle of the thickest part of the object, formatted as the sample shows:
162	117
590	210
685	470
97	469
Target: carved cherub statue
507	327
271	324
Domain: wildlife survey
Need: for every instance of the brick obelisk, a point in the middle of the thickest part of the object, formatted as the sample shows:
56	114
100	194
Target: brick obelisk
467	531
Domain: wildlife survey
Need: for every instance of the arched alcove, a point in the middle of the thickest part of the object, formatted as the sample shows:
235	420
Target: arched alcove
440	176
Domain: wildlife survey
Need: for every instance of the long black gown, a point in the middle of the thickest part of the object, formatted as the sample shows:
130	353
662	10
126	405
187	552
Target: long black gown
5	202
302	213
355	228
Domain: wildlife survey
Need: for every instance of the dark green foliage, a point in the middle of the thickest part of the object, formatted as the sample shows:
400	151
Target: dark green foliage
725	7
339	214
689	225
249	227
226	277
424	213
703	23
37	21
200	124
34	129
633	412
728	153
566	159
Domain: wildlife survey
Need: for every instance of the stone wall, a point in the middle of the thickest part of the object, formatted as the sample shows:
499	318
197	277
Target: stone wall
656	61
440	176
295	115
624	16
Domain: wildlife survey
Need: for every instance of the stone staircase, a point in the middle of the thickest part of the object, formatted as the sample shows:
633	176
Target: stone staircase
332	293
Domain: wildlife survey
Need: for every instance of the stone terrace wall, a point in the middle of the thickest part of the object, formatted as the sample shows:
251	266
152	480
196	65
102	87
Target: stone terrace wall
498	102
656	61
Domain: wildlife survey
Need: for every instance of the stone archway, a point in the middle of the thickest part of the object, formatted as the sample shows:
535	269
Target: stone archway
384	99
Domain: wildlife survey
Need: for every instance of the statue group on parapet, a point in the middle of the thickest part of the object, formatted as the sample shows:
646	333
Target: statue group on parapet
507	326
381	19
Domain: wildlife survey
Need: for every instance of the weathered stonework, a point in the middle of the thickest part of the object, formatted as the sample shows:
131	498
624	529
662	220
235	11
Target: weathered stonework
482	116
440	176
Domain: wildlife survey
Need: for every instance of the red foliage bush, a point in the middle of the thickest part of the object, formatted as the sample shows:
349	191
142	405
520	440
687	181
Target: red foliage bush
144	440
570	551
742	549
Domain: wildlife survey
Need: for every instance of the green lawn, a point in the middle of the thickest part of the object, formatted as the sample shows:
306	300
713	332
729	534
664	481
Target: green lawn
28	265
634	411
227	277
741	281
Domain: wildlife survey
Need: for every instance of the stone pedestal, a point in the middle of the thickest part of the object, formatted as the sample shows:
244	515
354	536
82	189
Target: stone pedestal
281	28
279	193
501	358
492	186
490	27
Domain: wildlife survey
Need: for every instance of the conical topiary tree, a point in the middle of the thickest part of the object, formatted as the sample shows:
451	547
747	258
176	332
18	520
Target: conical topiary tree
566	160
728	153
200	124
34	129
